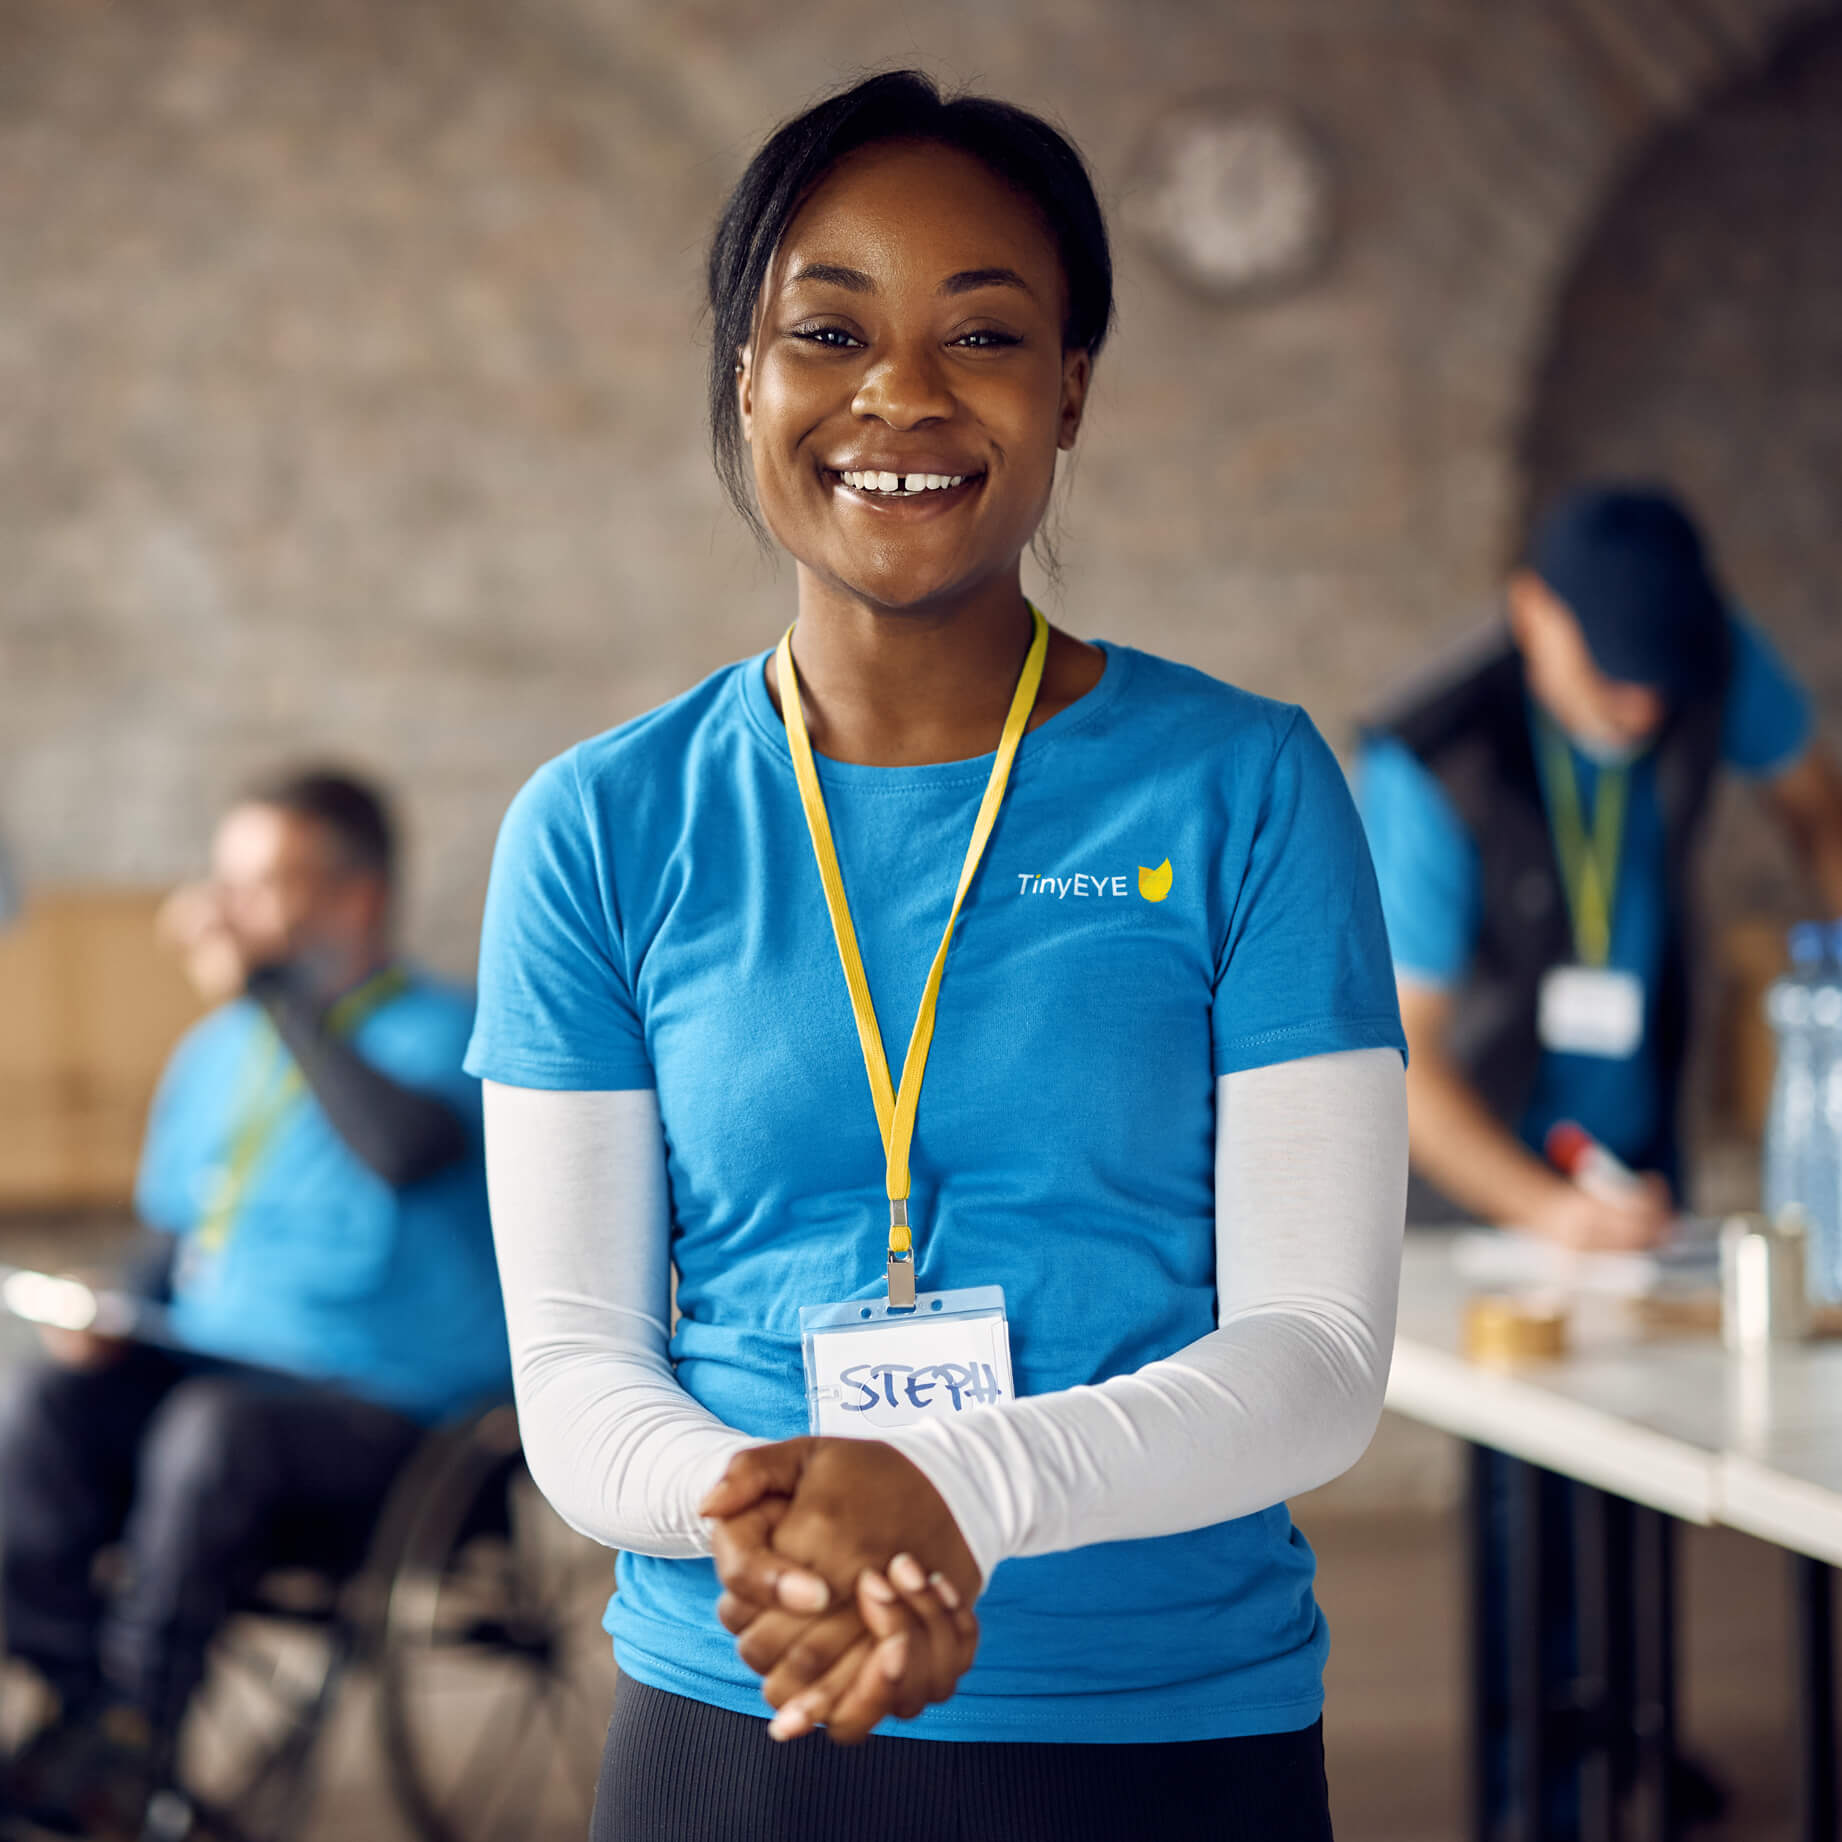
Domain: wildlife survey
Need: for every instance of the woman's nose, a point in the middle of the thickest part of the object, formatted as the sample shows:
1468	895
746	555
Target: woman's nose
904	387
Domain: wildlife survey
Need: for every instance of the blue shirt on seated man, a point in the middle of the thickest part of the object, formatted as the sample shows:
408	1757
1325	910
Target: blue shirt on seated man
314	1175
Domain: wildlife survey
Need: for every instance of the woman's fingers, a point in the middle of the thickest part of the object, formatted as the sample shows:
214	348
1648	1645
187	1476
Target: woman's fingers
871	1694
790	1653
910	1649
752	1572
734	1612
965	1621
760	1471
939	1655
810	1706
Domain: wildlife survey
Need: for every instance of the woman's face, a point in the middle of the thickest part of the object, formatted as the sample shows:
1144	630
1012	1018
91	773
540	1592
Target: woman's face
910	333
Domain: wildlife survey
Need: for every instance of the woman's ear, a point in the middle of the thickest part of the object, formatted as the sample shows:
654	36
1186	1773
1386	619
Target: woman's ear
1077	374
745	389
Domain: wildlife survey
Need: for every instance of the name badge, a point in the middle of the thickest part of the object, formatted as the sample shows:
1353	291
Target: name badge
1591	1010
871	1367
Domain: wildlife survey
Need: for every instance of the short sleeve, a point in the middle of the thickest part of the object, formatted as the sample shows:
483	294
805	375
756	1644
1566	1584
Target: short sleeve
555	1006
1766	724
1425	864
165	1184
1304	969
421	1042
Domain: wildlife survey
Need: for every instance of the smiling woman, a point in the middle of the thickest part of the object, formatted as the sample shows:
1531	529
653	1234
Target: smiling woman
1060	1343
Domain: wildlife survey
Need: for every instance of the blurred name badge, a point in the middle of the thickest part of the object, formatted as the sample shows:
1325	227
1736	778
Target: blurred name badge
1591	1010
871	1367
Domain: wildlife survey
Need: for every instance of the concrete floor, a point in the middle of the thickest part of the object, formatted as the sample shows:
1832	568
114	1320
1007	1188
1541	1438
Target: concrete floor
1392	1588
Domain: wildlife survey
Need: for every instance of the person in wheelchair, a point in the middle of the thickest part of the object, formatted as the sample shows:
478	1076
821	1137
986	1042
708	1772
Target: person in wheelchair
313	1177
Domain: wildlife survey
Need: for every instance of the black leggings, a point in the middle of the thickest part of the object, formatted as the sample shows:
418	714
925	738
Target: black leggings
677	1770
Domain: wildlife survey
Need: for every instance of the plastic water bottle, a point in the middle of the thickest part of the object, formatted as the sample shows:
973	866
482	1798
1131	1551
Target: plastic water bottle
1797	1082
1825	1218
1821	1176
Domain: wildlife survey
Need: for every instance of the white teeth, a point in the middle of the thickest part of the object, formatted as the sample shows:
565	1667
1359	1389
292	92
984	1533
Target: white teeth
901	483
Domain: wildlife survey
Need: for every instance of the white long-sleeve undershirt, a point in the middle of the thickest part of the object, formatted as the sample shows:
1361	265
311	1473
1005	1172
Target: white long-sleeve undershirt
1283	1395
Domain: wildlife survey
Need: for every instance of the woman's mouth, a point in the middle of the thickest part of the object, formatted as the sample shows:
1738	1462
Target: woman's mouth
902	485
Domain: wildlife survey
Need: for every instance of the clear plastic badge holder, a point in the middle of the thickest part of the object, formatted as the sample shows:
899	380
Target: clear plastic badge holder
871	1366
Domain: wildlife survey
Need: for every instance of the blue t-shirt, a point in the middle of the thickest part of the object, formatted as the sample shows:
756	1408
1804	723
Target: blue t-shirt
1431	890
656	920
327	1271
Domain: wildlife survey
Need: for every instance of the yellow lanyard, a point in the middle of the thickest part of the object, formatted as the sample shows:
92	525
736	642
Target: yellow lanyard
896	1108
256	1130
1589	862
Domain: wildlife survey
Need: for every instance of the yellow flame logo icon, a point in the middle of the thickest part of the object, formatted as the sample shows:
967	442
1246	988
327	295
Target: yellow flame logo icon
1154	885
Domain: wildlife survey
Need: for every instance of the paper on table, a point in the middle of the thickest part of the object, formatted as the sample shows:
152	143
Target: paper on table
1510	1257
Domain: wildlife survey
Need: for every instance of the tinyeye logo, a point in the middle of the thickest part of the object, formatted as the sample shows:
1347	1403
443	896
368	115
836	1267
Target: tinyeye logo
1153	885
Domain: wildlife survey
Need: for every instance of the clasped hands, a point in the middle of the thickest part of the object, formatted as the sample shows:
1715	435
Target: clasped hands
846	1581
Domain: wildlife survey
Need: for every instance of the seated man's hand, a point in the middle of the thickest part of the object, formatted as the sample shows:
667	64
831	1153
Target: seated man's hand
80	1349
848	1582
192	923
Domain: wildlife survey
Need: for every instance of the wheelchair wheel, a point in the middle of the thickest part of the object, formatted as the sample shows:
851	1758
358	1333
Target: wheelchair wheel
249	1746
496	1680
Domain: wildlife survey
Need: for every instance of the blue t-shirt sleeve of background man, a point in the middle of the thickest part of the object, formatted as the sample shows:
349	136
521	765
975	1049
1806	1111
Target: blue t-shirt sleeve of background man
1425	863
556	1005
166	1188
1304	969
1767	721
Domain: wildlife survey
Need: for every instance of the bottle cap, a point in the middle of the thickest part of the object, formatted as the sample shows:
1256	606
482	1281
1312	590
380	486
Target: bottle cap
1807	944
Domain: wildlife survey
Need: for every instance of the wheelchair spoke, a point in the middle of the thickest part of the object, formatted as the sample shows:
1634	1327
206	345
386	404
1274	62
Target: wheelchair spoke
496	1604
504	1768
578	1746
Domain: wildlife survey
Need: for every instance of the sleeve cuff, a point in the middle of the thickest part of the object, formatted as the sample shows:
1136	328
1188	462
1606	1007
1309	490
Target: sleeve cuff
942	1455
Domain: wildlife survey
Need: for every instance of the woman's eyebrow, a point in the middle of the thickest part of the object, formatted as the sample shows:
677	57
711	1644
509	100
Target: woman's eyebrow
839	276
964	282
968	279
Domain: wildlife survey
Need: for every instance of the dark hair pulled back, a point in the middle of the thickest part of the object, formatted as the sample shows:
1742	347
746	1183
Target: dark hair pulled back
1020	148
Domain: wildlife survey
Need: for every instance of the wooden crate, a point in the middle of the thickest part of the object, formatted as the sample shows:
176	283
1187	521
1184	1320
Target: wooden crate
90	1008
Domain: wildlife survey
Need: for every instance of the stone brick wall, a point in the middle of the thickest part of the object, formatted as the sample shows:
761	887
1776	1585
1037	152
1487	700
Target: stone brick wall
1700	339
350	366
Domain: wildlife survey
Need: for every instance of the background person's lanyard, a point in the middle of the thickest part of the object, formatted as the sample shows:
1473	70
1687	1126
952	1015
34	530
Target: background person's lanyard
1589	861
278	1086
895	1109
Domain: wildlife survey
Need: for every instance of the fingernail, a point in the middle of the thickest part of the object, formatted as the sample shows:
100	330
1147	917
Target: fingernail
906	1572
802	1592
893	1652
877	1587
948	1592
789	1723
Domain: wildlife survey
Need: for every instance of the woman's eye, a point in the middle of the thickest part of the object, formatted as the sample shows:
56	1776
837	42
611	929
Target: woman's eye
984	337
833	336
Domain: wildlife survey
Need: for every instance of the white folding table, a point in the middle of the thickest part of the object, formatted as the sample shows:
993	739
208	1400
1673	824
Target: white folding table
1676	1426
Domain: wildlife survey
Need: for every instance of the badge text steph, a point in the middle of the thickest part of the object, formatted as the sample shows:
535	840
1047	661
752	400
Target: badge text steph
899	1384
1061	887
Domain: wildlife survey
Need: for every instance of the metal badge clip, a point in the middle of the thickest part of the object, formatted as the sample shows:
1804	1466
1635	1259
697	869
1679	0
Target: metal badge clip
901	1258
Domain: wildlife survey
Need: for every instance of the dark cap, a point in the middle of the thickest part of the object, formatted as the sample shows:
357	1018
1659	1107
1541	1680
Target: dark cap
1629	563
